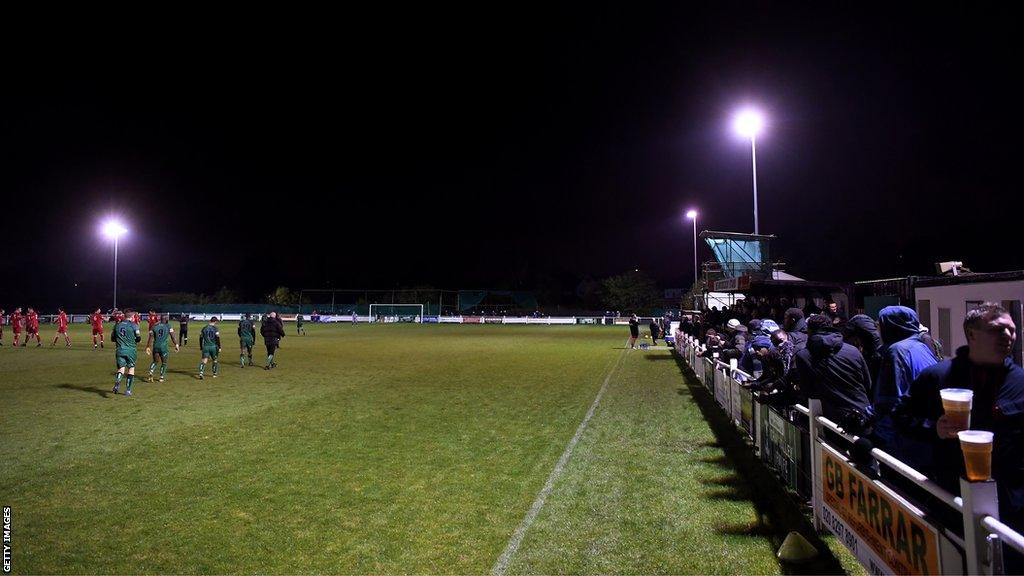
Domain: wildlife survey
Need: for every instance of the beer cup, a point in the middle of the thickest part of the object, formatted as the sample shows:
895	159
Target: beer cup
956	402
977	448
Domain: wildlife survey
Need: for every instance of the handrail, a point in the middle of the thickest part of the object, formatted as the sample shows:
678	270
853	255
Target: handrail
1005	533
899	466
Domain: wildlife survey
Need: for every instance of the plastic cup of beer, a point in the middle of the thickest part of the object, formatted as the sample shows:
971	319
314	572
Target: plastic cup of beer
977	448
956	402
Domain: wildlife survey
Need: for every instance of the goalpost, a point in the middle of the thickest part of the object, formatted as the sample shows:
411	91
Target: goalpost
396	313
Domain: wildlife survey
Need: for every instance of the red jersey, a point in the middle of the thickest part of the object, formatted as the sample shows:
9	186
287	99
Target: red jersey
153	320
62	322
17	322
33	322
97	321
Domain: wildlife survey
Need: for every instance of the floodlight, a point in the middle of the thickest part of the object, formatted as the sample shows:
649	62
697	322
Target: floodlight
748	123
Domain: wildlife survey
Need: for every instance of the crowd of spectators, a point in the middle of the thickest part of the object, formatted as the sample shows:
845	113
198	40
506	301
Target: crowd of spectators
879	378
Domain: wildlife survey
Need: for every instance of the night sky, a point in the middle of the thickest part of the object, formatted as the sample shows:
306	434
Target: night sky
508	147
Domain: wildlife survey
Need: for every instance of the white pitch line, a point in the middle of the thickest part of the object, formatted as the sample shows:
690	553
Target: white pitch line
517	537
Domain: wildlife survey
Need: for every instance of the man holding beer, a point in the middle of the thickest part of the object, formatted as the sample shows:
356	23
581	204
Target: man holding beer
979	390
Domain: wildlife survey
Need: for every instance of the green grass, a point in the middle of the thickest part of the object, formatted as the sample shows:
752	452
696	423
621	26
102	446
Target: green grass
396	449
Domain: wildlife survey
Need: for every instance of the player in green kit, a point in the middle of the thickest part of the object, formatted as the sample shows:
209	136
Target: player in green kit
209	343
126	337
299	330
246	338
157	346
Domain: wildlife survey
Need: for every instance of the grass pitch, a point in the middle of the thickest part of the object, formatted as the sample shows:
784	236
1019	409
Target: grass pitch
394	449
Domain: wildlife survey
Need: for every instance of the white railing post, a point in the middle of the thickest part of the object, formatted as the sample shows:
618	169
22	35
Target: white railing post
814	406
980	500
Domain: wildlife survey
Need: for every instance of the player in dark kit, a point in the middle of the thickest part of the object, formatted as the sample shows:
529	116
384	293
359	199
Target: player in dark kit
157	347
62	329
209	344
183	329
3	319
299	330
246	338
126	338
97	327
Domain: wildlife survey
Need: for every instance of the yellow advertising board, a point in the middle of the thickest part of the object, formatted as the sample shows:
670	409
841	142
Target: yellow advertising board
875	524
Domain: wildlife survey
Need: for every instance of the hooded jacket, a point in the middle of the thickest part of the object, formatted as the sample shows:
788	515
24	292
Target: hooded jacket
835	373
904	356
866	331
799	335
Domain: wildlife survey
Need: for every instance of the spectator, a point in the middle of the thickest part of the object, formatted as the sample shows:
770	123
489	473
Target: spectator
984	366
904	356
834	315
776	362
655	330
835	373
861	332
634	331
735	343
796	328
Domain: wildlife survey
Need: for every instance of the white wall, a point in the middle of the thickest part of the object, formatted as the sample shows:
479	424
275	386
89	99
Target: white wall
955	298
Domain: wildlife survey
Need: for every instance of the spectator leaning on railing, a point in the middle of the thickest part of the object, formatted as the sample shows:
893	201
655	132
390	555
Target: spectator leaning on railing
836	374
985	367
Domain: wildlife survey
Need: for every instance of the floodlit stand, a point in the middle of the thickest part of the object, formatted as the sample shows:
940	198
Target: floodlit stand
392	313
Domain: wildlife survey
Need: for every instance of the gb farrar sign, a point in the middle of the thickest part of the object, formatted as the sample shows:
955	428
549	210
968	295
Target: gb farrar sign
884	532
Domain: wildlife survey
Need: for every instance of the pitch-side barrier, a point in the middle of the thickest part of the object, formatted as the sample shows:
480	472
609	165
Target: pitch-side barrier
894	520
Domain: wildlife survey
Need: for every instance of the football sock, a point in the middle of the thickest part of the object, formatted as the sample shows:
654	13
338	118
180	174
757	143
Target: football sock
216	367
202	368
152	368
117	379
163	370
131	380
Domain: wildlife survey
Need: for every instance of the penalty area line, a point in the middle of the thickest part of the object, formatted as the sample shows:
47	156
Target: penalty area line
517	537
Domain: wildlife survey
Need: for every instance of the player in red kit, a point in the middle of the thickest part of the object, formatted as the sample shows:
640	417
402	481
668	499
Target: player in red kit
32	327
153	319
97	327
136	318
17	325
62	328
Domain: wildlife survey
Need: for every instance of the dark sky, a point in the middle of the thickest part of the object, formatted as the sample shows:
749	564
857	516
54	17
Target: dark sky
502	147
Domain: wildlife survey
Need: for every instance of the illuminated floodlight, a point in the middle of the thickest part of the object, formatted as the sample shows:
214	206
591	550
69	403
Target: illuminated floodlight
692	214
113	229
748	123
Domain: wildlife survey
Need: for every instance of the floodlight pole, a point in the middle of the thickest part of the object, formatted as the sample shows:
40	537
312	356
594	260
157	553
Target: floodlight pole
116	236
753	157
695	277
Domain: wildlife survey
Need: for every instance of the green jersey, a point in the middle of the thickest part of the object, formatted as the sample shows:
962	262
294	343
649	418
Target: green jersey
298	320
127	336
246	330
209	337
161	334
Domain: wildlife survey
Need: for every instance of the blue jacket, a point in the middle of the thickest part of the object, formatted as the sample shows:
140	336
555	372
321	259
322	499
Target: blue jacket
904	356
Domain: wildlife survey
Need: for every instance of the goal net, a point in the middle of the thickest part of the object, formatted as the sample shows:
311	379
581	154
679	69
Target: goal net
396	312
